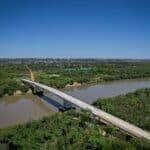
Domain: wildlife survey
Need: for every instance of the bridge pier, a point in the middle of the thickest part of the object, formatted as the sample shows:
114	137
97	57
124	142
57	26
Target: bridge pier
36	91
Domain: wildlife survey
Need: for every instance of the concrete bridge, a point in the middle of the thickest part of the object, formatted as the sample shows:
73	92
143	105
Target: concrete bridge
104	117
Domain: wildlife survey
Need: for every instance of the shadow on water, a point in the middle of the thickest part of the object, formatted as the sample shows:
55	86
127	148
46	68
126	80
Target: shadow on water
51	101
61	107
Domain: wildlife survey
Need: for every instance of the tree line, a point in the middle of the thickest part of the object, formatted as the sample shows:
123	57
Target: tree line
60	72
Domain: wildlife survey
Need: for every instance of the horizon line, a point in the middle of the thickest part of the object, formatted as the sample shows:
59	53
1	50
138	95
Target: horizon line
121	58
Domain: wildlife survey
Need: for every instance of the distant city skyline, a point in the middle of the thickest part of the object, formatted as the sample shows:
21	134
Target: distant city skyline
75	29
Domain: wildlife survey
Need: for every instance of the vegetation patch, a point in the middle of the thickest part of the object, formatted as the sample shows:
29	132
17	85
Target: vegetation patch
61	72
69	130
132	107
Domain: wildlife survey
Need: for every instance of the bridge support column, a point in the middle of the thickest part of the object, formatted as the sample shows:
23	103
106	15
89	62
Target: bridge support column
33	90
36	91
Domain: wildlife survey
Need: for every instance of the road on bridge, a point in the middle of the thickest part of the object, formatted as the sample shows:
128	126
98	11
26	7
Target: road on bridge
106	117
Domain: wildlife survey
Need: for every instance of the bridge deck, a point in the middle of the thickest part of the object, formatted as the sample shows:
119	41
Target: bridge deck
123	125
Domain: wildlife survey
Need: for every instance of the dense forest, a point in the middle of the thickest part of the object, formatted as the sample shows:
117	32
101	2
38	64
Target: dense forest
60	72
69	130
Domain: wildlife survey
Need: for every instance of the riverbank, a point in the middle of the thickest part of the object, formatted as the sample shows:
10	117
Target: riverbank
85	85
107	89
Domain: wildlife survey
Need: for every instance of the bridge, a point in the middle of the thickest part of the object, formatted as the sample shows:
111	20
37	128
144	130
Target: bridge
104	117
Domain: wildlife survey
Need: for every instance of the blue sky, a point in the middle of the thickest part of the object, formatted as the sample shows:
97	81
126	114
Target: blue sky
75	28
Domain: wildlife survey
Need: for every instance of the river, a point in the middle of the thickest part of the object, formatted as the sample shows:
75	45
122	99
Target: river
108	89
19	109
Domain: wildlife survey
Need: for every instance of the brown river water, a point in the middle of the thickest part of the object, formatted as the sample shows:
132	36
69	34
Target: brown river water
20	109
